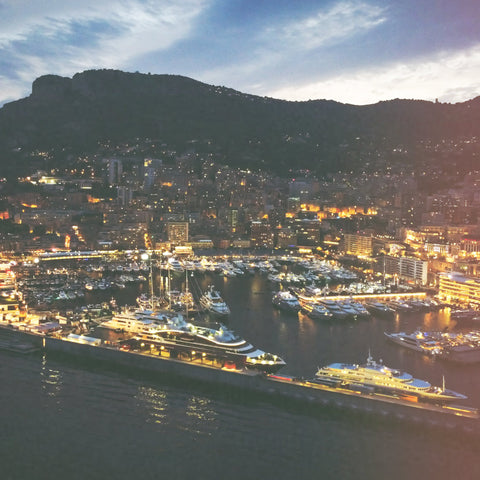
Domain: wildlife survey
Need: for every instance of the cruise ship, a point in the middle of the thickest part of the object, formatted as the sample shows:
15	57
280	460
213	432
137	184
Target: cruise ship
375	377
458	347
212	302
172	334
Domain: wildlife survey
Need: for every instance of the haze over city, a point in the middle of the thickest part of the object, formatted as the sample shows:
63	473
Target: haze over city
357	52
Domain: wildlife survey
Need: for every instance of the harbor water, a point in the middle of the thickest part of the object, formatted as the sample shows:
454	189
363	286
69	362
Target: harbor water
70	418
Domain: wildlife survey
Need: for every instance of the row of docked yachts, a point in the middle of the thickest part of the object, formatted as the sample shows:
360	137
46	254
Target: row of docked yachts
462	347
320	306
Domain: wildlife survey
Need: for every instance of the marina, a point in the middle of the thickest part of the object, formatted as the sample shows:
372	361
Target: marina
188	396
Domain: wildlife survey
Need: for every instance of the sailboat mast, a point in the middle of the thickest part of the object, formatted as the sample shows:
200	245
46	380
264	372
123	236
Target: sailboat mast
169	290
151	283
186	292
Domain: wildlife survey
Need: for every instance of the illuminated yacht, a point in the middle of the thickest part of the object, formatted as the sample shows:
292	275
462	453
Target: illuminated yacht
380	308
463	347
180	338
382	379
317	311
285	300
174	265
212	302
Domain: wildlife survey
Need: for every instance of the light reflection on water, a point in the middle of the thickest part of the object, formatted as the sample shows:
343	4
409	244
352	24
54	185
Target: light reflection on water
51	379
187	412
200	408
154	402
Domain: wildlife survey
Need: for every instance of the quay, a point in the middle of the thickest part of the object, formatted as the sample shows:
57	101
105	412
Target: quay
272	386
377	296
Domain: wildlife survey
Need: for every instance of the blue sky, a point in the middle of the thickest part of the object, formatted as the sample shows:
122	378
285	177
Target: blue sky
351	51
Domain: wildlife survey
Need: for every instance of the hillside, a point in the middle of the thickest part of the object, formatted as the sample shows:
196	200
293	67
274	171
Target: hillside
248	130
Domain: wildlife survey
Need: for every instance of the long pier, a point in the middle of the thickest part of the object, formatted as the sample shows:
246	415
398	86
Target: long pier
273	386
379	296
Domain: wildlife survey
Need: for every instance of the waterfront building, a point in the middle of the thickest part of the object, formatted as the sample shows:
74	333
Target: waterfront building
407	268
455	287
200	243
358	244
241	243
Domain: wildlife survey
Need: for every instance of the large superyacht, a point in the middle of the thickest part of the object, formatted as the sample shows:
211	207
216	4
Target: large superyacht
377	378
173	335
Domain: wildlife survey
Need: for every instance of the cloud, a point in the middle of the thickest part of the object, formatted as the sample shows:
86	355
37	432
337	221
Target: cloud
10	90
288	42
448	76
65	36
338	23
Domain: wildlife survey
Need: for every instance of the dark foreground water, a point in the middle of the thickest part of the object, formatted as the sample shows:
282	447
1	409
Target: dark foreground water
69	419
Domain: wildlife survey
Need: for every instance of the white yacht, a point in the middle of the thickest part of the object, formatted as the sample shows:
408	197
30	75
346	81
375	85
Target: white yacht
173	334
174	265
378	378
459	347
212	302
285	300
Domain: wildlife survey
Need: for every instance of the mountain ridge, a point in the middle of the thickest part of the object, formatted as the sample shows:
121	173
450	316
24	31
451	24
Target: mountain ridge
249	130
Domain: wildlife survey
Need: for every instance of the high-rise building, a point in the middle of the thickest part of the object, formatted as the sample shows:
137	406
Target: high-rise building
407	268
358	244
115	170
177	232
261	235
233	219
124	195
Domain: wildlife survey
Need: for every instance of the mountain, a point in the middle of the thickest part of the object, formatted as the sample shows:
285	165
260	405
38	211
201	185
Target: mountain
248	130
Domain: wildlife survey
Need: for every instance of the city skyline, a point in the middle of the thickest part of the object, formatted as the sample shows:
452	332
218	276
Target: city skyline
357	52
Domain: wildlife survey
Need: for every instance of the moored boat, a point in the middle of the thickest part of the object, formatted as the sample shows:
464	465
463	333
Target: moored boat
458	347
317	311
170	333
379	309
212	302
285	300
377	378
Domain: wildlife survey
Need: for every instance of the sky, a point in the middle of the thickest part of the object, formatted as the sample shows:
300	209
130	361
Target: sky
351	51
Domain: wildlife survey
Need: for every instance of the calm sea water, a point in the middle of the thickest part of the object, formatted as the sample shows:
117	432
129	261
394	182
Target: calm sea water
64	418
